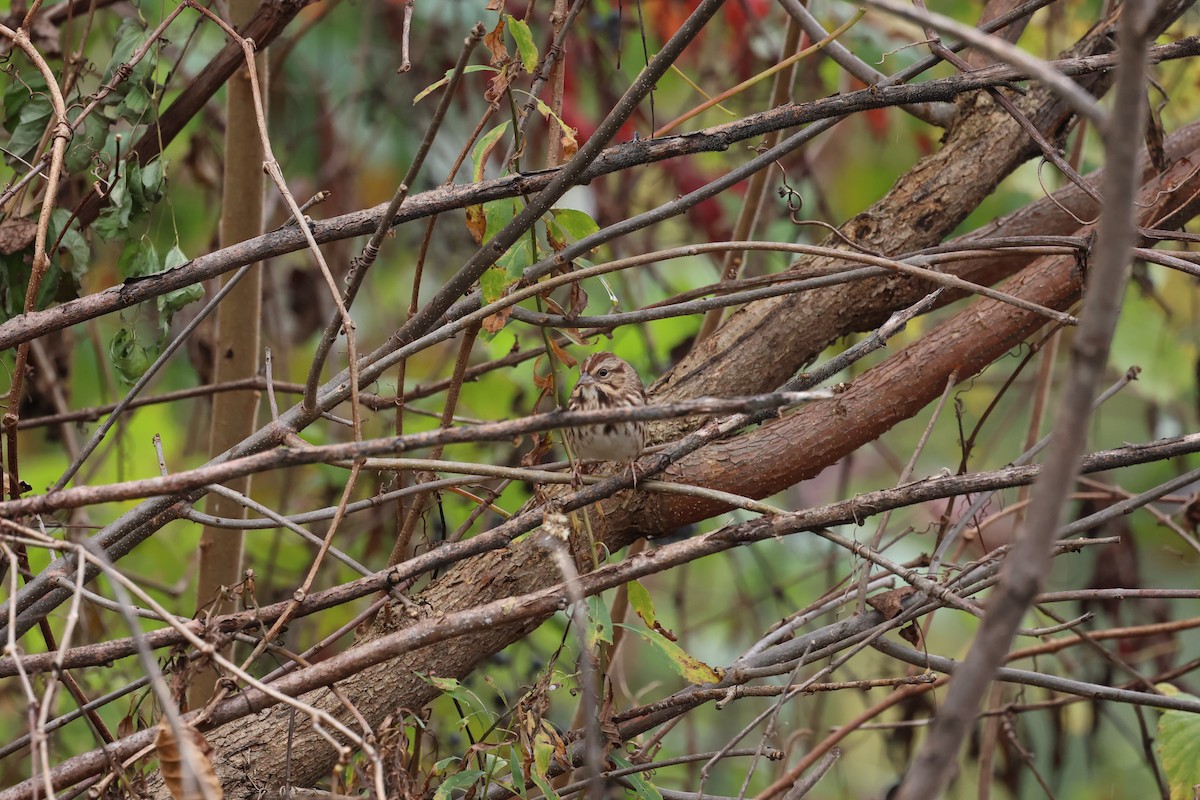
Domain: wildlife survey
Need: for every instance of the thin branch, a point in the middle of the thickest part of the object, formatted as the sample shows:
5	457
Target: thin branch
1094	691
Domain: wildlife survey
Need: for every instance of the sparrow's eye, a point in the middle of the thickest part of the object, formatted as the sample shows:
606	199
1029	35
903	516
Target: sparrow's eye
602	373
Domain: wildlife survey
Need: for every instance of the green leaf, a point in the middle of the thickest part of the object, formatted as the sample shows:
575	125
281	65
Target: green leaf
554	234
525	46
72	242
139	257
459	780
446	685
17	94
113	221
515	773
134	96
476	217
88	140
497	214
442	766
81	254
123	191
543	751
602	626
154	181
433	87
30	124
130	358
483	149
175	258
133	185
38	109
493	282
1178	744
577	224
171	302
642	787
517	259
549	114
48	288
14	277
546	788
493	765
465	697
685	665
130	34
108	225
135	104
118	194
640	601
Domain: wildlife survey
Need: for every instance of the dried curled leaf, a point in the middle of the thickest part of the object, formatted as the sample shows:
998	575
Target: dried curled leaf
1191	512
569	144
16	235
494	42
494	323
188	769
890	604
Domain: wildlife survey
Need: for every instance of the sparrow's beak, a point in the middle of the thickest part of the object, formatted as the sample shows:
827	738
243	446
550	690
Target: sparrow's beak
586	380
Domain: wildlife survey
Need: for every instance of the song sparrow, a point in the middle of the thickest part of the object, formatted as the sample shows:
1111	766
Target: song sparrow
606	381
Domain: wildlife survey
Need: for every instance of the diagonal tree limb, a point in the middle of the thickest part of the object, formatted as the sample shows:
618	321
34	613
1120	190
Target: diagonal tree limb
900	387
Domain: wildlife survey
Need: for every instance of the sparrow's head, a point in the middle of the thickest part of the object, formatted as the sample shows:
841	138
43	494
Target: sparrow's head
607	375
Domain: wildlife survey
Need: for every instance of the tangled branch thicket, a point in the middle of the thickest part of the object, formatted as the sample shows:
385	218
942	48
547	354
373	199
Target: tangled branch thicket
926	369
